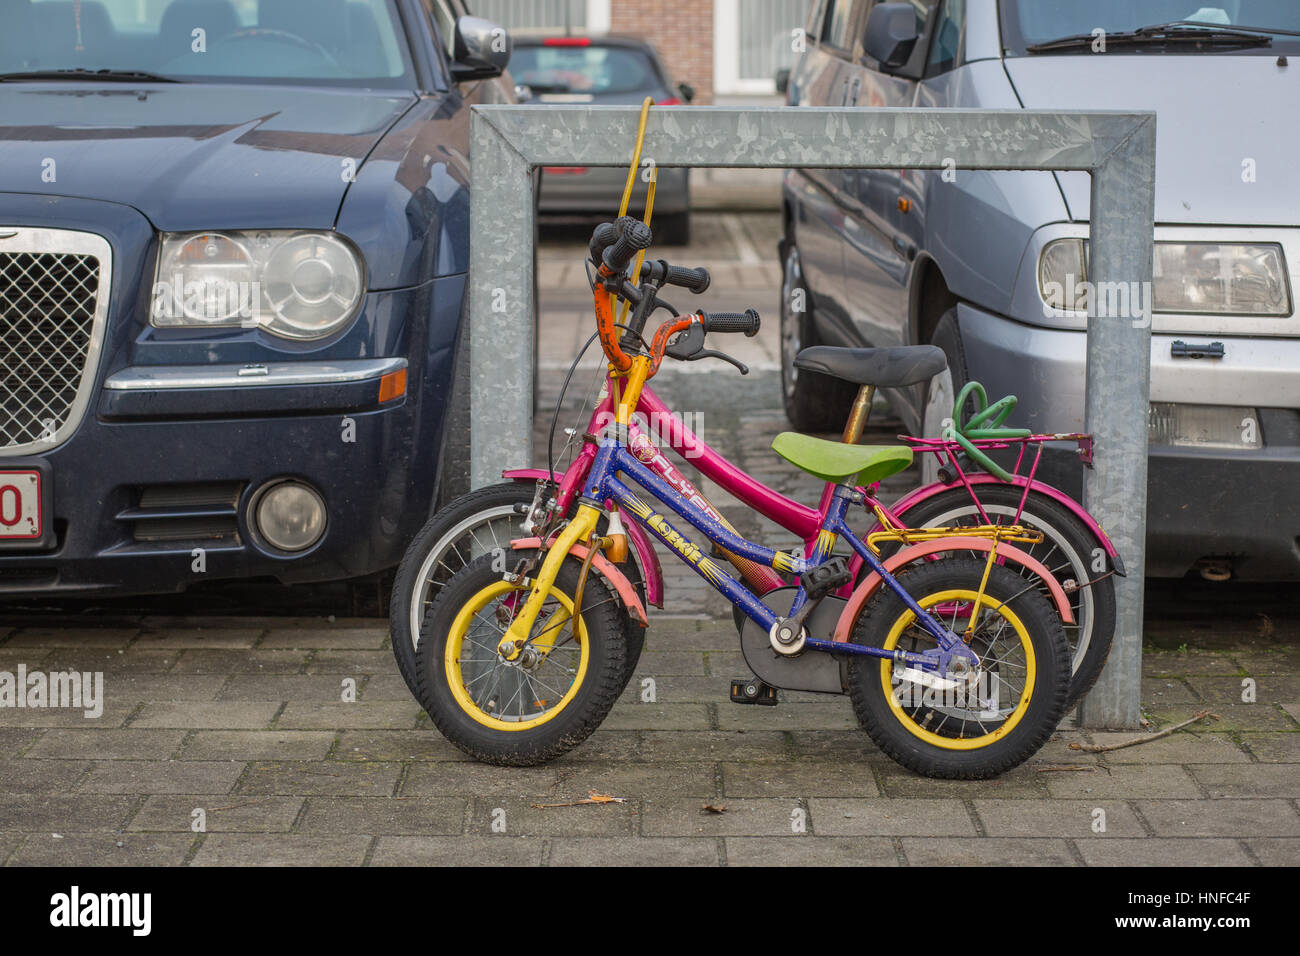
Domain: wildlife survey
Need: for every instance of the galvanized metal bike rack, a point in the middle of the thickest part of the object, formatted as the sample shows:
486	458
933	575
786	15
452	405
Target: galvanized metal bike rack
1118	149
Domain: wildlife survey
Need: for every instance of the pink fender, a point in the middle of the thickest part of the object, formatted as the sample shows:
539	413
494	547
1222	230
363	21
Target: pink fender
982	478
863	592
651	571
626	590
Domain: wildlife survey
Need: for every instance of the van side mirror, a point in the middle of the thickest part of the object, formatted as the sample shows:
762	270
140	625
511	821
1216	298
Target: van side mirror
890	34
687	91
482	49
783	80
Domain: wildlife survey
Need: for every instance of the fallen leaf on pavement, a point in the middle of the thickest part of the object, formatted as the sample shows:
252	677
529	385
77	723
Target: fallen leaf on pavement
714	808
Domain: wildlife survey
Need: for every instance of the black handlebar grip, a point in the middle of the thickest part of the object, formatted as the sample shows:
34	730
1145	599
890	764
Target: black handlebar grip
694	280
634	236
604	236
747	322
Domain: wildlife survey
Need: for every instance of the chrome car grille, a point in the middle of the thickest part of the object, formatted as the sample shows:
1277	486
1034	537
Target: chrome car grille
53	302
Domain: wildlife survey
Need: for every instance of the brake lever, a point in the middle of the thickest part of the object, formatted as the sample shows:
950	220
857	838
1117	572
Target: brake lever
709	353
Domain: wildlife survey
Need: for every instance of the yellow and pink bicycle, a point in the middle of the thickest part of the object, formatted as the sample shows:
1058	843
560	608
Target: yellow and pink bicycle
950	641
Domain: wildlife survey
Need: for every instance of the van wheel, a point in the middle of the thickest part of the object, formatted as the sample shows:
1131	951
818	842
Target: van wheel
941	391
674	230
813	402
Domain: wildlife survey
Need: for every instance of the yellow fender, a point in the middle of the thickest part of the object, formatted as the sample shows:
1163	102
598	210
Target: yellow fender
607	569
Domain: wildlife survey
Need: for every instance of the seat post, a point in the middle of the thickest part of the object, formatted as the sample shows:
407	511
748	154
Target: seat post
858	415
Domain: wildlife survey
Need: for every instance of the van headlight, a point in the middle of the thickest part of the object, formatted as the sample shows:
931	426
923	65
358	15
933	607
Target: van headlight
1205	278
294	284
1220	279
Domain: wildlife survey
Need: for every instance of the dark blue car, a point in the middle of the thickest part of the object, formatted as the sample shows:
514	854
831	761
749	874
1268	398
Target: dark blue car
233	247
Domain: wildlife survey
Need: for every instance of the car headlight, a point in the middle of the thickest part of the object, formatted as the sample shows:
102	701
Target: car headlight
294	284
1220	279
1212	278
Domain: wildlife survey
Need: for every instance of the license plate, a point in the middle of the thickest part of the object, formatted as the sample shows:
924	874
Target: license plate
23	494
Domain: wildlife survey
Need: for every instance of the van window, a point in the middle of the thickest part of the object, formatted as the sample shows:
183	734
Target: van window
949	31
835	31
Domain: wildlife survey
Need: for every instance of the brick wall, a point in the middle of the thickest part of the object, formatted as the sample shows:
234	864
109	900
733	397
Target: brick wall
682	32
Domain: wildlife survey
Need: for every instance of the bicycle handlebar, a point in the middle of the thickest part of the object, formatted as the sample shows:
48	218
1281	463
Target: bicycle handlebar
747	322
633	236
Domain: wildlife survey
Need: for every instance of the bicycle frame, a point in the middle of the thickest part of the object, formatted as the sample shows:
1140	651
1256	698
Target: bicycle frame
796	518
603	484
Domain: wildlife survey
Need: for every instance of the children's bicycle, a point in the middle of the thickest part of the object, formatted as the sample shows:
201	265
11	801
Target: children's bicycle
973	490
956	665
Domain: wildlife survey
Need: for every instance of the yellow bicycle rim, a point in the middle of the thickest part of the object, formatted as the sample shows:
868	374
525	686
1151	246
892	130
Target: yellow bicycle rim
988	605
455	645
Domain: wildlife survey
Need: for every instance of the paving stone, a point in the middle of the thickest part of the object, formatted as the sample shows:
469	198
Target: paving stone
1181	747
1269	689
1160	694
458	851
330	777
832	715
854	746
357	638
1156	851
639	716
33	657
882	817
79	637
556	782
103	849
423	744
383	686
288	849
287	687
1025	781
811	851
219	638
671	663
1057	818
384	815
25	775
1274	748
680	816
383	715
610	745
163	687
798	780
165	776
1124	781
1276	852
208	715
111	662
9	842
15	740
60	812
350	662
114	715
221	814
986	851
245	745
1234	818
681	689
522	819
1159	663
1254	780
227	662
637	851
762	745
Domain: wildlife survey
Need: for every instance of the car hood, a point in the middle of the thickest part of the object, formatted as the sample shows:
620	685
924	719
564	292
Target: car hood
1214	113
194	156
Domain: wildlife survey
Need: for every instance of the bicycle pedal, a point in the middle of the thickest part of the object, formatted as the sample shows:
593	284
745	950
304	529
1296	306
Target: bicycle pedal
753	692
826	577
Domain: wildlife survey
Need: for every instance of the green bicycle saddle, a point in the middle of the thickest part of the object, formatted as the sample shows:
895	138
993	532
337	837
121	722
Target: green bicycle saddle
841	463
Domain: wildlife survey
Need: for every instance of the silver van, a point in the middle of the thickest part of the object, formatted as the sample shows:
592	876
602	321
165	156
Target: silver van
993	266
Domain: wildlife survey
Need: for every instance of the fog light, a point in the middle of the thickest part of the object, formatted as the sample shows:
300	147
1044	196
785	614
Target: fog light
290	516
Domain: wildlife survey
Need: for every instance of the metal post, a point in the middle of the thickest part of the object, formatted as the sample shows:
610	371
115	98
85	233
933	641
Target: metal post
1118	149
1119	351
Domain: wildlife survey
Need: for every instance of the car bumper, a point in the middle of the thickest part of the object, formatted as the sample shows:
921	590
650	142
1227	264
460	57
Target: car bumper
598	190
1236	506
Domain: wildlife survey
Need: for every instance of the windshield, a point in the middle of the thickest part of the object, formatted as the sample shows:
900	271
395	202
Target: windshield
583	69
1029	22
332	42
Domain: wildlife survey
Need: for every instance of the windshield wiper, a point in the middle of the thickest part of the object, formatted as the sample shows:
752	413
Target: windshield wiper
1164	34
110	76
